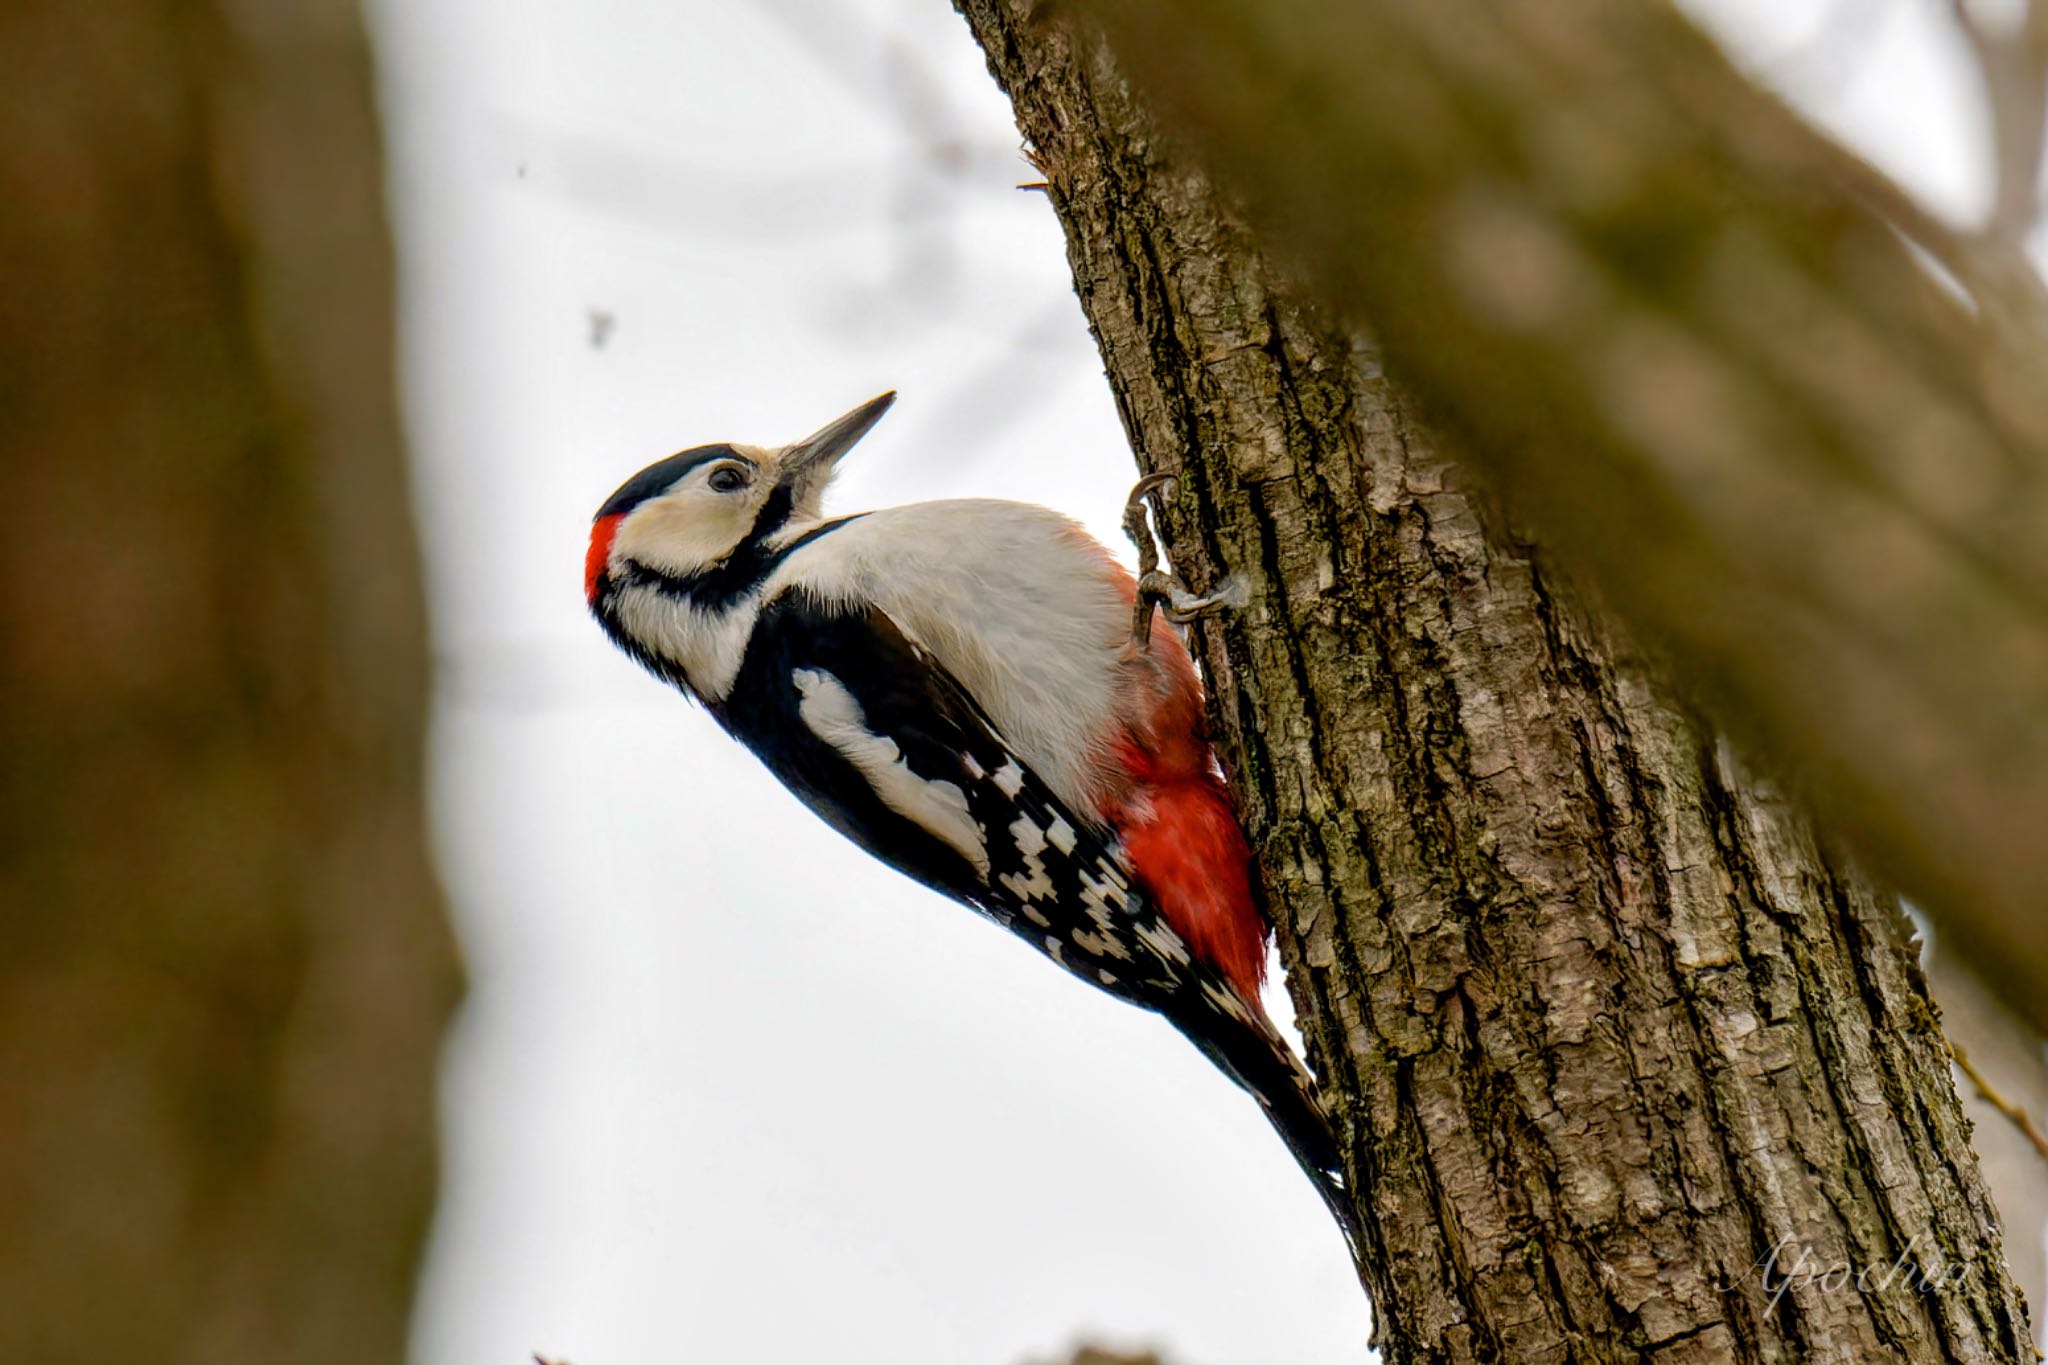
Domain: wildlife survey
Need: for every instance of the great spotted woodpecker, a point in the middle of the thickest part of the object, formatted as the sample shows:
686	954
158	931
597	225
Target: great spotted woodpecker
976	693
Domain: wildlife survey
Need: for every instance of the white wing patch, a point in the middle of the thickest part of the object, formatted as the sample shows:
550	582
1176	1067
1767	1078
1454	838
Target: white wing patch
1009	778
1227	1001
1104	898
1032	884
937	806
1161	939
1107	908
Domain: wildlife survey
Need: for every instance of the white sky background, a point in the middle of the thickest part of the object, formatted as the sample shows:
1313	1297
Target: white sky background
724	1089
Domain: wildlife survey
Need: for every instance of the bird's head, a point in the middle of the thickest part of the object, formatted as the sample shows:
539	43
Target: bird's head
687	515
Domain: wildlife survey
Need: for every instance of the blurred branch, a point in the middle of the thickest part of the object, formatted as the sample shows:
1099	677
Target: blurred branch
1990	1093
981	407
1680	329
1991	261
890	76
2013	63
1838	44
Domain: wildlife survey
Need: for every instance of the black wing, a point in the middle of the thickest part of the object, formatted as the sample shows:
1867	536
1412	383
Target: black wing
888	748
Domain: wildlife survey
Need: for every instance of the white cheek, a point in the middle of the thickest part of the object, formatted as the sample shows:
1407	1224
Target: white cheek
685	532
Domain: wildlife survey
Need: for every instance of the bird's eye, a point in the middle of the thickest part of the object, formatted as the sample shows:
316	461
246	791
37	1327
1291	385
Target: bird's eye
727	479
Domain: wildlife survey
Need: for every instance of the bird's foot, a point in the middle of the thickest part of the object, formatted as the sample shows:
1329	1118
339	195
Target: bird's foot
1136	525
1158	589
1182	606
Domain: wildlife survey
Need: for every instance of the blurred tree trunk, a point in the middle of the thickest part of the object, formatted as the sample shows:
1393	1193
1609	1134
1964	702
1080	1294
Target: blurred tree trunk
223	964
1631	1065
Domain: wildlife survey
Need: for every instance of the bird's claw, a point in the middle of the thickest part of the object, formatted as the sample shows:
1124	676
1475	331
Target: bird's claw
1137	527
1150	484
1158	589
1182	606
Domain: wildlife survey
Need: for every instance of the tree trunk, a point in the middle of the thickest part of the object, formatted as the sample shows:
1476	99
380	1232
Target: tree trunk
1664	316
1629	1065
223	964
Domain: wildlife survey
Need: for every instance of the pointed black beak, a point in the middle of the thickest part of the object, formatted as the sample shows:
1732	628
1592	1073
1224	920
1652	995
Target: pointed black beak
818	452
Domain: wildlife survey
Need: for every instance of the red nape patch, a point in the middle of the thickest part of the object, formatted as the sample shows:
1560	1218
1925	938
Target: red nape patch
1191	857
599	554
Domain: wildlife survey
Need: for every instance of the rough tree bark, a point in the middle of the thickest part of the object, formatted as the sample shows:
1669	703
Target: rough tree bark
223	965
1604	1022
1685	334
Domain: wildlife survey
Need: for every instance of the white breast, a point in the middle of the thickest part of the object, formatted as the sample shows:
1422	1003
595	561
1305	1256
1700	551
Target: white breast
709	646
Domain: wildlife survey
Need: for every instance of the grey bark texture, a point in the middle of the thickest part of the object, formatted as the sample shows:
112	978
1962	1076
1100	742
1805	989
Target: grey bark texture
1605	1025
223	962
1686	335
